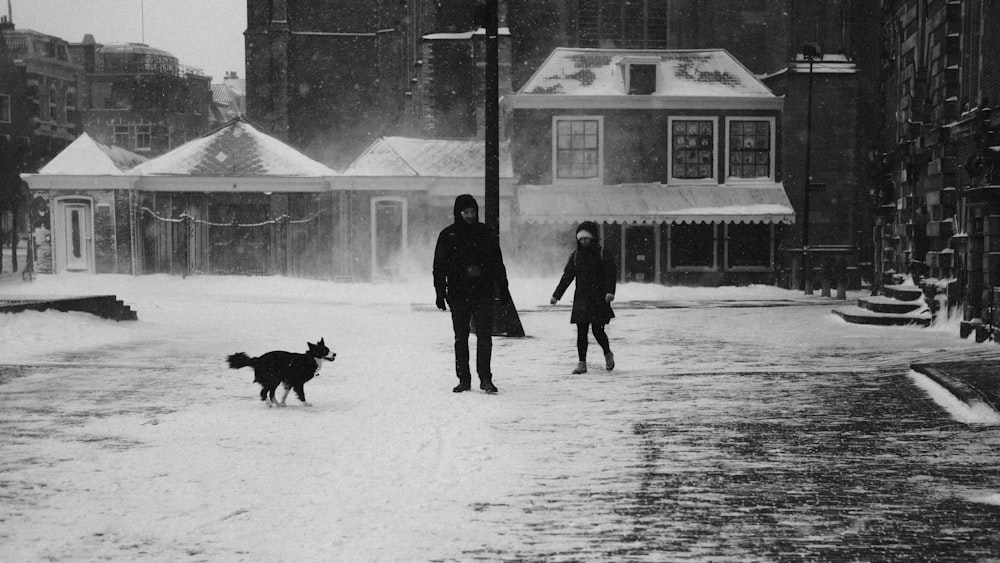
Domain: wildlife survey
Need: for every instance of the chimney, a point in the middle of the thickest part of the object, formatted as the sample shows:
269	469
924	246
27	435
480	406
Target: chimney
89	53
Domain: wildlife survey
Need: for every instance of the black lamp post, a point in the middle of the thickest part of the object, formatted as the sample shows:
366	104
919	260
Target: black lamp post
810	52
505	316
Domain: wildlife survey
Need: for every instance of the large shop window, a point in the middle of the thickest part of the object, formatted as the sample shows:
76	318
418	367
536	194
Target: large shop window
578	148
749	245
749	149
692	143
692	245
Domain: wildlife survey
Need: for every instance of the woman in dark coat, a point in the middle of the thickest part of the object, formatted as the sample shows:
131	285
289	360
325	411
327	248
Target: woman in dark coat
595	290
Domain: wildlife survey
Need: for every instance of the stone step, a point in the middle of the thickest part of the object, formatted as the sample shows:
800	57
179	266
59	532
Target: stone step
903	292
859	315
105	306
883	304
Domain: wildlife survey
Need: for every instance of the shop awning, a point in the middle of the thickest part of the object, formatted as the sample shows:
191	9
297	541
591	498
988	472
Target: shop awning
757	202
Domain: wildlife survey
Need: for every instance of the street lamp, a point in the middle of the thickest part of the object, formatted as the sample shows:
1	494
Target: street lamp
810	52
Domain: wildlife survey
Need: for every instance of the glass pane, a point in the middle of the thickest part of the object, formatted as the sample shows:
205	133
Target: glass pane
75	234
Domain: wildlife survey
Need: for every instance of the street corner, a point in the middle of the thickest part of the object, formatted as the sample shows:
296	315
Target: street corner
969	390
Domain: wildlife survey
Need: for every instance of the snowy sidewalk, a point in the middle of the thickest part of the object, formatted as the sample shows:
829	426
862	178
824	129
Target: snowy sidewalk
725	434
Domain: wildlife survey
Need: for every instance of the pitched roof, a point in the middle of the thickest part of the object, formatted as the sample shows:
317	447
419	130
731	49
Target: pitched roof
86	157
405	156
221	94
680	73
234	149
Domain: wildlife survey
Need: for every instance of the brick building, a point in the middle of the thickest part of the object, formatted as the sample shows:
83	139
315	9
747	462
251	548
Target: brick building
941	165
140	98
767	38
39	116
676	153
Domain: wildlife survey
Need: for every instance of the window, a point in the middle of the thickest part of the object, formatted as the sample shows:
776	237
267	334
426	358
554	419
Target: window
70	99
143	137
577	148
120	135
750	148
692	144
692	245
748	245
53	104
4	108
641	79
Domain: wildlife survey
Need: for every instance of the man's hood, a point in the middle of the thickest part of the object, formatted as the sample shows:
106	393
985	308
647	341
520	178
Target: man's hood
464	201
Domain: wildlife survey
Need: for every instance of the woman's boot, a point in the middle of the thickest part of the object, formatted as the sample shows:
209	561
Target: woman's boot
581	367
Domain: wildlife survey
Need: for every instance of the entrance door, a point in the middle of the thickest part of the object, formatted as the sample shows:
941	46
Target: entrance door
640	253
388	224
77	236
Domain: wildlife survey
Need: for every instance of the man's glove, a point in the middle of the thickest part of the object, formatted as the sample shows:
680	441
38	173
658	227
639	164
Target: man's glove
441	303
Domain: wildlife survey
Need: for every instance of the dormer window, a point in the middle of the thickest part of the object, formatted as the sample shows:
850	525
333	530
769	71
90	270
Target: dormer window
638	73
641	79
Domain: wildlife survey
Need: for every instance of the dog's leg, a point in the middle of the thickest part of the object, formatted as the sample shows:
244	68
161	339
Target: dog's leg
263	396
300	392
284	396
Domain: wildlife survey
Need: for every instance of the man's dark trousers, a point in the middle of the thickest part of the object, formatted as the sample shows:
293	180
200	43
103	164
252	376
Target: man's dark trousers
480	311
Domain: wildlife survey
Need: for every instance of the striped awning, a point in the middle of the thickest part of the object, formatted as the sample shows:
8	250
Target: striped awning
757	202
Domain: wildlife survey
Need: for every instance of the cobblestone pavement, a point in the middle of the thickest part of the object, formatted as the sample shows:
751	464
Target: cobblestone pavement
759	446
725	434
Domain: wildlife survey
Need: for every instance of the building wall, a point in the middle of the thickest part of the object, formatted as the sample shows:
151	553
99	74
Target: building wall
939	102
635	143
331	77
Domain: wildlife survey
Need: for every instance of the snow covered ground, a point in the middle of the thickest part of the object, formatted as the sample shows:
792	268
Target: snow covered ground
134	441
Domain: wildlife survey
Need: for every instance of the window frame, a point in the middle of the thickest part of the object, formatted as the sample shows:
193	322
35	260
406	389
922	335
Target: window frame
6	102
115	132
628	77
669	266
771	252
714	178
139	132
773	148
53	103
556	120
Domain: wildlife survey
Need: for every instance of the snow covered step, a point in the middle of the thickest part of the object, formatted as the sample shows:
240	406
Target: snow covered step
859	315
883	304
904	292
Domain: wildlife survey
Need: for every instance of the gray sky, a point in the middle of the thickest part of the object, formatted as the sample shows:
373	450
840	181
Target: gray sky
206	34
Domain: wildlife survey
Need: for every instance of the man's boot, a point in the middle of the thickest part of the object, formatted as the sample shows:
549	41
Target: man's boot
487	385
463	385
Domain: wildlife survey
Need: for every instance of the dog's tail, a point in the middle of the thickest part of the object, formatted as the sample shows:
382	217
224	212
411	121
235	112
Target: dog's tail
240	360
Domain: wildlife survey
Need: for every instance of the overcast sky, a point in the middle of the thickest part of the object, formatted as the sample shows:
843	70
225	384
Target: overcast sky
206	34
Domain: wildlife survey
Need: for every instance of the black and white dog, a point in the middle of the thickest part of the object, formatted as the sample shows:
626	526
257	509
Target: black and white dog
286	368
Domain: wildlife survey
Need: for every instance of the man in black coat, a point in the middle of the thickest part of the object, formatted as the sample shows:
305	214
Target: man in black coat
468	271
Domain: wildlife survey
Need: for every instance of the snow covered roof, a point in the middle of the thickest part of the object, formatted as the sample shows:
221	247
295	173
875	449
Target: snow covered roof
405	156
86	157
764	202
679	73
234	149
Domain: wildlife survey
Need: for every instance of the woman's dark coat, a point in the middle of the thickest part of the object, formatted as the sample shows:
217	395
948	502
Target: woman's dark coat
594	271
